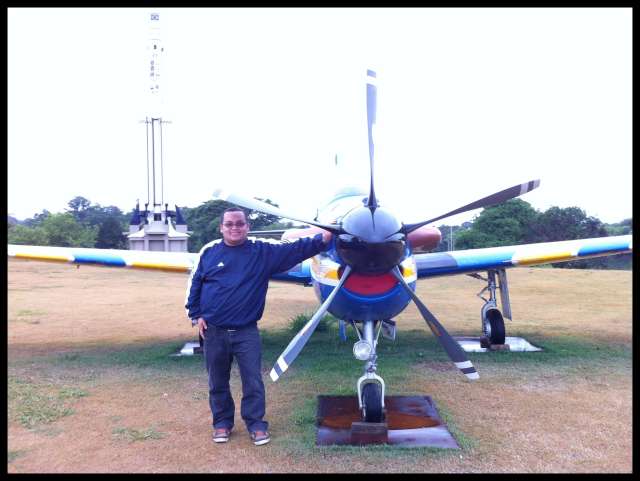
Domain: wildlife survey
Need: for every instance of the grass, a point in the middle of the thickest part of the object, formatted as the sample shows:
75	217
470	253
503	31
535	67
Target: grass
35	403
565	409
132	435
297	322
326	366
26	316
13	455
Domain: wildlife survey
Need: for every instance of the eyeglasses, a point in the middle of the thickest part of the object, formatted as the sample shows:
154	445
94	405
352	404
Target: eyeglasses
229	225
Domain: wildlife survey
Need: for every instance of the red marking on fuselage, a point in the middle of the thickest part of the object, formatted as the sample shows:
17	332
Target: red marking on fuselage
370	285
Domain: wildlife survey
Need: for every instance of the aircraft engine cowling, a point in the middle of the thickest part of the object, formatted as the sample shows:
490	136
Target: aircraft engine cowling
371	242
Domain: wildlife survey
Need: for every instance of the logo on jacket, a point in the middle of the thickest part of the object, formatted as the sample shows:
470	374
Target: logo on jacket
220	264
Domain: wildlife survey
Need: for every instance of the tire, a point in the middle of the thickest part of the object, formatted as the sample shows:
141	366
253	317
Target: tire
493	326
372	402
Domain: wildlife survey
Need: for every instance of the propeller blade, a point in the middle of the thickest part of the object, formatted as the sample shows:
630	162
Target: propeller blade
298	342
260	206
498	197
453	349
371	119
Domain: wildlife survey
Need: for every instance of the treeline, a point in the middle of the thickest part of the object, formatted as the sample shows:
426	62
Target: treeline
83	225
517	222
90	225
514	222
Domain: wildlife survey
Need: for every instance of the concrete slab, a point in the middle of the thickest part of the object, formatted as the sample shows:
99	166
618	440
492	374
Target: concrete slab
516	344
411	421
189	349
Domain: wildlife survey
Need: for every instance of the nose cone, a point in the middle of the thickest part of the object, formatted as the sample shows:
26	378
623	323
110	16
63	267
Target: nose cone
369	226
371	243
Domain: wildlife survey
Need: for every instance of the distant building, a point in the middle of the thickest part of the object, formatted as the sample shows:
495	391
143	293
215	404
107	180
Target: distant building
156	229
166	231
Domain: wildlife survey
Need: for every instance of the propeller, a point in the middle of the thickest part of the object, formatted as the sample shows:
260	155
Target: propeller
299	341
260	206
453	349
372	241
497	198
372	202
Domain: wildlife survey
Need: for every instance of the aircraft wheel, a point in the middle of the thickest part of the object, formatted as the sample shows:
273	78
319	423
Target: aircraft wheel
372	402
493	326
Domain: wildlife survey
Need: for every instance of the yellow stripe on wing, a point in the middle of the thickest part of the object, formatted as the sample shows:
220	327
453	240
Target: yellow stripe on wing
543	258
42	257
159	266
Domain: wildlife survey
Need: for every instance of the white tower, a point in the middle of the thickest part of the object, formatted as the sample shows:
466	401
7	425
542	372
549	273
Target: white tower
155	228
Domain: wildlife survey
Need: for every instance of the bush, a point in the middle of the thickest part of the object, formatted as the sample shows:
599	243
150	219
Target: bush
297	322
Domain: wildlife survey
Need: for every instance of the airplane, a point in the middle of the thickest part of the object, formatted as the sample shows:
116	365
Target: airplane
368	274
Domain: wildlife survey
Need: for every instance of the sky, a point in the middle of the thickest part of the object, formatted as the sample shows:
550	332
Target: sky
260	102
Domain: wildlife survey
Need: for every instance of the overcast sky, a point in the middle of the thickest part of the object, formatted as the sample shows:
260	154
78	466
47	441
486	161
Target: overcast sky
470	101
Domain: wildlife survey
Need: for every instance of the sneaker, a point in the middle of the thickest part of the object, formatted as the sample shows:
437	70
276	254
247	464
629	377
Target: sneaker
221	435
260	437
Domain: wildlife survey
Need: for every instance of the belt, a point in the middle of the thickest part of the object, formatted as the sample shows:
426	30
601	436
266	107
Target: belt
239	328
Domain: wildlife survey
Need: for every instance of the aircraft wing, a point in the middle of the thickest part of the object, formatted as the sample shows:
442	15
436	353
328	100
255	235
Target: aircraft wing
474	260
164	261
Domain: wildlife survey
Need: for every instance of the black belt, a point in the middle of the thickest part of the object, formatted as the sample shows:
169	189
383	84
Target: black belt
228	329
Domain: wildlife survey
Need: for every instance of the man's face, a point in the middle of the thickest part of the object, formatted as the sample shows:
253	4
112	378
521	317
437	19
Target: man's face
234	228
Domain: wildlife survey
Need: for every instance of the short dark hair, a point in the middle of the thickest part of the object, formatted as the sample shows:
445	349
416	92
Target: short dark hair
233	209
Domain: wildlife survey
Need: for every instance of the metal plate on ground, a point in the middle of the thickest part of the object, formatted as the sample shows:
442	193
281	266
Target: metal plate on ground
516	344
412	421
189	349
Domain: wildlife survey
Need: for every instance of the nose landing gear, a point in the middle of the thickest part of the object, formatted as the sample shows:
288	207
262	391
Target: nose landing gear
370	386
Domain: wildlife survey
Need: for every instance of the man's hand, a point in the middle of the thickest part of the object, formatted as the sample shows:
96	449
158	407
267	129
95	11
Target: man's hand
202	326
326	236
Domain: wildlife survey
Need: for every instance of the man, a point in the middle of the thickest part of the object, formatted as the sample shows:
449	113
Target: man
226	297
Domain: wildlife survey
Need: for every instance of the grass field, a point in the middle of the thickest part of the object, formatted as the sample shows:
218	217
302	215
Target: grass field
92	386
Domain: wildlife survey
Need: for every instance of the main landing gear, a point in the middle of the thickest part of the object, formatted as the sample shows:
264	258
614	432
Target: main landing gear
493	330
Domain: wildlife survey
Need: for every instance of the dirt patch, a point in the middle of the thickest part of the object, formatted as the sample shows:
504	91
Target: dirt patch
145	419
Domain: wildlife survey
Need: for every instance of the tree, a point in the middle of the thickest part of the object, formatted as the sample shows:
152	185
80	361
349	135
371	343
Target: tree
24	235
78	206
446	231
500	225
96	215
260	220
508	223
621	228
79	203
556	224
472	239
110	235
64	231
37	218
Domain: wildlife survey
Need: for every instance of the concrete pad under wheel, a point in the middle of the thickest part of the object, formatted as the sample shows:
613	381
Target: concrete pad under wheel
515	344
410	421
189	349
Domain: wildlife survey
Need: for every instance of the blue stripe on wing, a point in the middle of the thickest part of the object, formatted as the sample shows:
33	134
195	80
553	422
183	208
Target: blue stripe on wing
103	258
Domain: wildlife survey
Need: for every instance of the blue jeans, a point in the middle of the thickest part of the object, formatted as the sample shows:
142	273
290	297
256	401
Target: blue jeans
221	346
